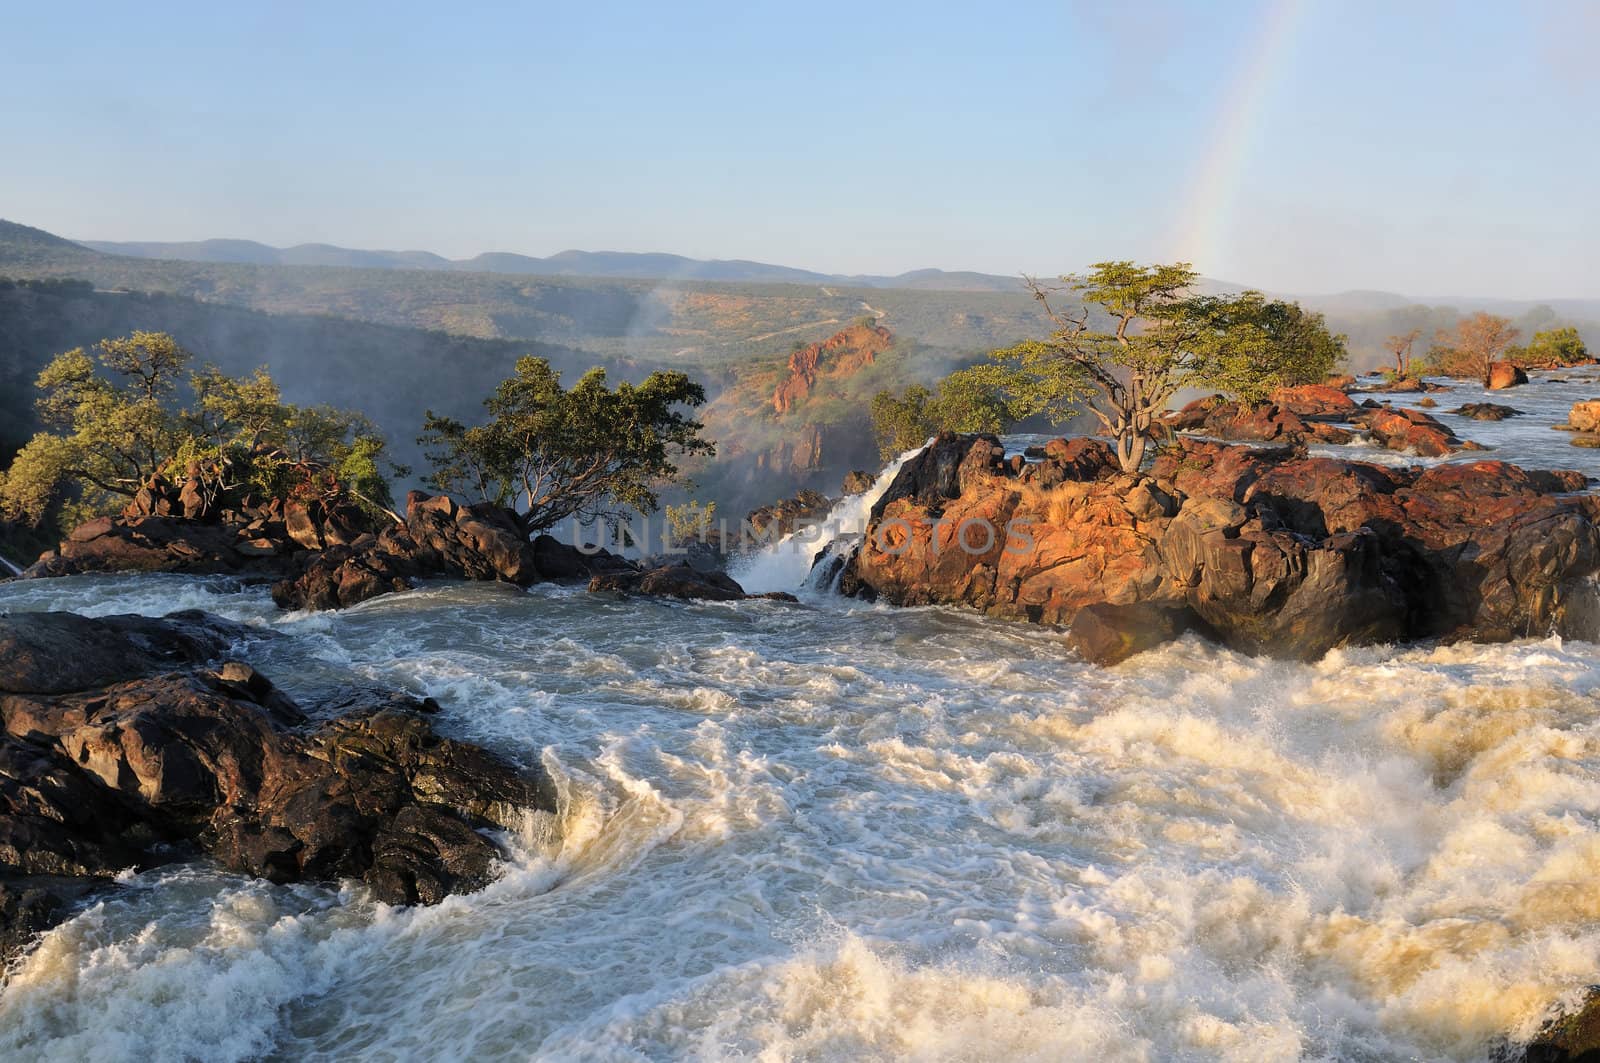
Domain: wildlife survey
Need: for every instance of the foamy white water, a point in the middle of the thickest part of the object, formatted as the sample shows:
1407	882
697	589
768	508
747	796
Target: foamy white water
786	564
835	832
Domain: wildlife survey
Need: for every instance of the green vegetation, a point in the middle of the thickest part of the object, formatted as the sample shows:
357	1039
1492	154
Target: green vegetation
1160	339
1553	348
968	400
589	453
691	521
114	419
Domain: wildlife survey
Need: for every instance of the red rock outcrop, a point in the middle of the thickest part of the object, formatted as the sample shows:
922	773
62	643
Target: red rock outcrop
1504	375
1271	551
843	354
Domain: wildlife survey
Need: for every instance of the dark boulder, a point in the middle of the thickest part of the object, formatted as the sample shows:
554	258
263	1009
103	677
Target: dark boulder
1109	634
137	766
560	561
1486	411
680	580
54	653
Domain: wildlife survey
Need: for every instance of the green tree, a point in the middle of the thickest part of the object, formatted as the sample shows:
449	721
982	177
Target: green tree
1556	347
589	453
967	400
1160	339
114	420
105	432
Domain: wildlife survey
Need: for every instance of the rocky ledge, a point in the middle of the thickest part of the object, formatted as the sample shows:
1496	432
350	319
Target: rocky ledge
126	744
1318	413
1264	549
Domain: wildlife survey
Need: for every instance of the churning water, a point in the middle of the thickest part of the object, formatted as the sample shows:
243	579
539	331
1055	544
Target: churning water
836	831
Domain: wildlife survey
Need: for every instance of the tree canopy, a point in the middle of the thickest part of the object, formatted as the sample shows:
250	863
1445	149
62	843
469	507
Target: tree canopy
968	400
1473	346
1158	338
133	409
588	453
1555	347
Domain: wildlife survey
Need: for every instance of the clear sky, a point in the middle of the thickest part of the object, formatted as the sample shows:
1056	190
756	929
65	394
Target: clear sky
1433	148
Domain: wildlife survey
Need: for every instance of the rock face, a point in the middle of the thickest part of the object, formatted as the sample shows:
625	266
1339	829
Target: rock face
781	518
1314	414
121	749
842	354
1272	551
857	483
1504	375
439	540
1572	1038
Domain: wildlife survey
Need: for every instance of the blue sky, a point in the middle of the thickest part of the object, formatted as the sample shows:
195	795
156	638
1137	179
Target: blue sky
1432	148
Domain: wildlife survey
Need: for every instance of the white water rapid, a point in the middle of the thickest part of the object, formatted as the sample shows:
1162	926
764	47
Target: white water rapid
831	831
787	564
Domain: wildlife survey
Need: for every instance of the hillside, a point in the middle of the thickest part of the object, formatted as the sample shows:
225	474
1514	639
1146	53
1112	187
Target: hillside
392	374
798	417
613	264
692	322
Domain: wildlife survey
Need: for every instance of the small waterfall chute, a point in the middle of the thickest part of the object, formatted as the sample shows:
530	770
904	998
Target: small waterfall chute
815	553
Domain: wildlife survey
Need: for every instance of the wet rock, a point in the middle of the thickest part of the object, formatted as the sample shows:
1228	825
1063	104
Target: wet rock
680	580
1410	430
1573	1038
556	560
1276	552
857	482
439	540
1109	634
133	753
1486	411
52	653
144	544
1585	416
782	518
1504	375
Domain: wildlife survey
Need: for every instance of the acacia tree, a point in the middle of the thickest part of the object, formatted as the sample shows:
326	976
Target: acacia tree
589	453
109	431
1161	339
1473	346
1400	346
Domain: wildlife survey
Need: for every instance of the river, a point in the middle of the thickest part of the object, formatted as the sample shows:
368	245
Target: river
837	831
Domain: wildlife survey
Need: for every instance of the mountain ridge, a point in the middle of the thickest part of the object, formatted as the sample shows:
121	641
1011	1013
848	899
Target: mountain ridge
632	265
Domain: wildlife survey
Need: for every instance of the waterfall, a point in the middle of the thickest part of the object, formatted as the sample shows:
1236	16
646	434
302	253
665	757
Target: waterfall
786	565
7	567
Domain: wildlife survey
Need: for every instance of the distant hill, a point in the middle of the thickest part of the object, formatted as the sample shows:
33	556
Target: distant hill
392	374
659	307
622	264
685	320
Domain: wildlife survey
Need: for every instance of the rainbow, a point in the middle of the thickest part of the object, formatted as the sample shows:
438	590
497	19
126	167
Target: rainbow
1205	222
